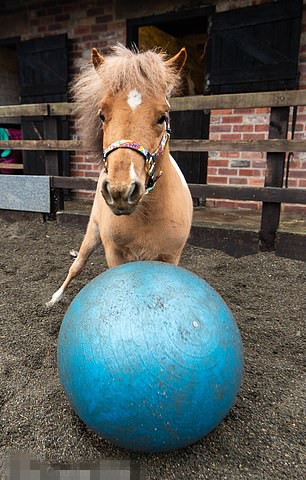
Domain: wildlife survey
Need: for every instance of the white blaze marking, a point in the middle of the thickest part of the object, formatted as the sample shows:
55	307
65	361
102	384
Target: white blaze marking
179	172
133	174
134	99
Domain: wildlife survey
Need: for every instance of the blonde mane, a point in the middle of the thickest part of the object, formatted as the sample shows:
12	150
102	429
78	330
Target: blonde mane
122	69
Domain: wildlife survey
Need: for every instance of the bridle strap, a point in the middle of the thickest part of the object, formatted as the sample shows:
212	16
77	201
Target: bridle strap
150	158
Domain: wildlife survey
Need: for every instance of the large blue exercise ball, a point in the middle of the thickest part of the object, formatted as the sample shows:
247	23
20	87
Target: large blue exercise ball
150	356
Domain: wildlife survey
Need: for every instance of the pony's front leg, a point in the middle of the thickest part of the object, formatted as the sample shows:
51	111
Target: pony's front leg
90	242
167	258
114	256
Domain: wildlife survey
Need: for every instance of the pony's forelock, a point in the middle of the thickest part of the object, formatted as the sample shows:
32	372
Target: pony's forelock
122	69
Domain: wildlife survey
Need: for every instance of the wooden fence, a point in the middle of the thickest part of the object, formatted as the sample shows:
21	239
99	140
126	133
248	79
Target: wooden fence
272	194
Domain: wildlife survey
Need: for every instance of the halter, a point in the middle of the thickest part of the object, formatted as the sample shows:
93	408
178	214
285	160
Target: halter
150	158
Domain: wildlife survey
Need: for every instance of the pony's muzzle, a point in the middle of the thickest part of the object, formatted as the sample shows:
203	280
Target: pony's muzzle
122	200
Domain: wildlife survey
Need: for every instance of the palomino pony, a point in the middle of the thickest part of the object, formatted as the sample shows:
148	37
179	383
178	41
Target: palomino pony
142	208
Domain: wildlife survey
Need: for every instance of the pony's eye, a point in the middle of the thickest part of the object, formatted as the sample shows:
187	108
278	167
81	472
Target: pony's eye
162	119
102	117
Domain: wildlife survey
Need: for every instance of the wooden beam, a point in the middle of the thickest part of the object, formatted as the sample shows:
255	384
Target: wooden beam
259	194
41	144
287	195
233	241
13	166
274	174
239	100
197	102
35	109
52	164
195	145
75	183
51	157
62	108
214	102
238	146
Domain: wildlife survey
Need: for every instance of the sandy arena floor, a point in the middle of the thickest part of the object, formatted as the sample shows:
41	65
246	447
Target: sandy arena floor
263	435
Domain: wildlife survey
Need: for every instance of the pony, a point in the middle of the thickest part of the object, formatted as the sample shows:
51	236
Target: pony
142	208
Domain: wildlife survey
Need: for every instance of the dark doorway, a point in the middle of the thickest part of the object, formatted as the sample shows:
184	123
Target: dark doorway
43	73
171	32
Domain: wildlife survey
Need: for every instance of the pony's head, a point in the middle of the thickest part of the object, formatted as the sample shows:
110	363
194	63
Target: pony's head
124	98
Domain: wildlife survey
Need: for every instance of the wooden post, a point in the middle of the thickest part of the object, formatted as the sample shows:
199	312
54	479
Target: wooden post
274	178
52	164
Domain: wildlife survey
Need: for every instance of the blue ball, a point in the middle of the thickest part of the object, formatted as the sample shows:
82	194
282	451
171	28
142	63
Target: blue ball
150	356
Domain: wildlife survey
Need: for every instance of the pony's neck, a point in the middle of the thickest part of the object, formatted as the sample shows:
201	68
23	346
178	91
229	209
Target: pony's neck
163	162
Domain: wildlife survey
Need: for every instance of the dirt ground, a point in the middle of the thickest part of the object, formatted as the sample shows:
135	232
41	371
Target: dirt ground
263	435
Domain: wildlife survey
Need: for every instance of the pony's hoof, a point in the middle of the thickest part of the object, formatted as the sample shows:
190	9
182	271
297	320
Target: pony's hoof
55	298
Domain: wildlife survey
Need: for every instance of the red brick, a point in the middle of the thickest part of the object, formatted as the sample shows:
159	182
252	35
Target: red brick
220	128
62	18
230	136
248	172
104	19
258	182
299	127
54	27
298	174
224	203
217	163
258	164
300	209
97	28
214	136
262	110
294	183
232	119
262	128
227	171
253	136
82	29
47	20
243	128
212	171
217	179
296	164
54	10
238	181
91	37
92	12
302	183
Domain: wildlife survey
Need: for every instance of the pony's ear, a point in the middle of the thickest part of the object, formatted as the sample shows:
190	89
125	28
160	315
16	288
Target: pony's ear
178	61
96	58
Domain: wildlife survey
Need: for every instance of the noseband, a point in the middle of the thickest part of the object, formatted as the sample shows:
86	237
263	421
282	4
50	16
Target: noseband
150	158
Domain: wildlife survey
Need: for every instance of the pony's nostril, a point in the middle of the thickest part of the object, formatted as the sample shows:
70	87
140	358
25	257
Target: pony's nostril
107	193
134	193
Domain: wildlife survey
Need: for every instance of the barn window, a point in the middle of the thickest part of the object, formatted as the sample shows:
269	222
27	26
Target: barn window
256	48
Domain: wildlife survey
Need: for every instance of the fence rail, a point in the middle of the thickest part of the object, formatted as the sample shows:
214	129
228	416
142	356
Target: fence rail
259	194
195	145
272	194
198	102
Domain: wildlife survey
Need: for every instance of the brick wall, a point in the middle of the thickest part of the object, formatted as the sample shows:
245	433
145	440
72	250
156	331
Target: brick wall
94	23
248	168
